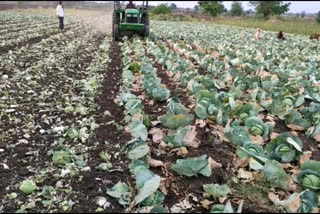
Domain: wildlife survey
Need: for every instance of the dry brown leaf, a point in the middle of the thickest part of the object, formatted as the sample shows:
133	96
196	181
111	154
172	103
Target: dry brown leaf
182	151
258	175
305	157
162	147
213	164
201	123
240	163
165	184
151	103
292	203
245	174
137	117
271	118
274	135
205	203
157	135
264	74
156	122
141	97
154	163
257	140
287	166
261	116
210	122
315	210
301	91
294	133
273	197
295	127
317	137
190	138
176	77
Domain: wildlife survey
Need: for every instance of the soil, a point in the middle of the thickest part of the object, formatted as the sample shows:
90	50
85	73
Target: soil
89	188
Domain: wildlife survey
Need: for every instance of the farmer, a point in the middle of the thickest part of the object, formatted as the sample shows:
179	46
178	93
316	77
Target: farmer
257	35
130	5
281	36
60	14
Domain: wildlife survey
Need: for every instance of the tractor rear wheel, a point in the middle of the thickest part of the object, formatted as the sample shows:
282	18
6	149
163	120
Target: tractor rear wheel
115	19
146	31
145	19
116	32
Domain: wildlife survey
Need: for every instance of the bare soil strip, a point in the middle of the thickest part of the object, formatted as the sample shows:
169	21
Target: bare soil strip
95	183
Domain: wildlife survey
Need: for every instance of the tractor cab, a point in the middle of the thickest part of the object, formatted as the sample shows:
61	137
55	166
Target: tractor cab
130	20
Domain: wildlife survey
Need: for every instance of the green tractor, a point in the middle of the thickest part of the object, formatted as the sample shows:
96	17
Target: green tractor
130	20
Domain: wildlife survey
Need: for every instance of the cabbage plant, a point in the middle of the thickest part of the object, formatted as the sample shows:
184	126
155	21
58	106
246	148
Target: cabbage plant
310	175
284	148
256	127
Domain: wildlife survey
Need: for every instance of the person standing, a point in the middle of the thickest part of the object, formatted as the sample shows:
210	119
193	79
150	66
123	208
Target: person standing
60	14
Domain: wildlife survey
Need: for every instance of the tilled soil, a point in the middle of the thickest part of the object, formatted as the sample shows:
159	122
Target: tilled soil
96	183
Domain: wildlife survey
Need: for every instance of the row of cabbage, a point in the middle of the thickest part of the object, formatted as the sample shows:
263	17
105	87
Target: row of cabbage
138	150
213	101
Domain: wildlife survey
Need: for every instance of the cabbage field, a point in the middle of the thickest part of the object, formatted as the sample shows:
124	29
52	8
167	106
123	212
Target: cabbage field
196	118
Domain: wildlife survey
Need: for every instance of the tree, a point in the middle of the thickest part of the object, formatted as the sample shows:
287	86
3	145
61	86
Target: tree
250	11
318	17
161	9
303	14
173	6
270	7
214	8
196	8
236	9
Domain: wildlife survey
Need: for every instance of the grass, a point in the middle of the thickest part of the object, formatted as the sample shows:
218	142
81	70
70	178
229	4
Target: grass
256	194
295	25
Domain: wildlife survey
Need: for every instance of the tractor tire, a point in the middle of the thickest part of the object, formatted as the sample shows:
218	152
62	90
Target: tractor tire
116	32
146	31
115	19
145	19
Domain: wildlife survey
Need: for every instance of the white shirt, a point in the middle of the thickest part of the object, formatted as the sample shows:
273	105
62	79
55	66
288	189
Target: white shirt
60	12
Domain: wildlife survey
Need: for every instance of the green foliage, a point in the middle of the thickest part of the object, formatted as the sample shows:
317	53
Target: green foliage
267	8
275	174
216	190
161	9
309	200
192	166
318	17
173	6
236	9
61	158
28	186
214	8
120	191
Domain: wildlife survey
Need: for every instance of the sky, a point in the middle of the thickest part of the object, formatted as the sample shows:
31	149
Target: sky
295	7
